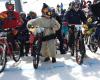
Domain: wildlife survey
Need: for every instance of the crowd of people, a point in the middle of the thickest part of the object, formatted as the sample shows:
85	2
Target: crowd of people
51	20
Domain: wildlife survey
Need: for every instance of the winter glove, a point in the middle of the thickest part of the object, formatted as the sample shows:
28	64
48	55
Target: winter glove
85	27
89	20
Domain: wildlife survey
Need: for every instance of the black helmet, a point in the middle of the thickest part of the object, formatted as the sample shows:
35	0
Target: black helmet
9	6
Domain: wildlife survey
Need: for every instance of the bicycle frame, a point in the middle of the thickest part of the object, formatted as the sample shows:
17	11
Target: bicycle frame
3	41
33	38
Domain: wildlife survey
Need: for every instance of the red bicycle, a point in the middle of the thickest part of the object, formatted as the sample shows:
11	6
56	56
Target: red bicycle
36	42
7	50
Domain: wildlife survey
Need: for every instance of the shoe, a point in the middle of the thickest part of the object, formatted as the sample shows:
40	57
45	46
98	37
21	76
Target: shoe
88	46
46	59
53	60
72	54
63	52
26	54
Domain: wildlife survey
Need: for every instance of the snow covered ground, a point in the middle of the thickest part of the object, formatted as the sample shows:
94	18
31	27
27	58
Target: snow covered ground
64	69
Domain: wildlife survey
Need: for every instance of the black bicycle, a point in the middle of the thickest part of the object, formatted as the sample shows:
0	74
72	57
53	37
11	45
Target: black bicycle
36	43
76	42
2	57
36	47
94	38
79	45
94	42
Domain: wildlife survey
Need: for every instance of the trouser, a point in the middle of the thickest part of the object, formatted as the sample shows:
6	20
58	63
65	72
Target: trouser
61	40
24	48
12	39
71	39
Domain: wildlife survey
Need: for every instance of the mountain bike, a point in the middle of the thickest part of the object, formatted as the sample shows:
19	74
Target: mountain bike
79	45
2	53
36	42
7	50
76	42
94	43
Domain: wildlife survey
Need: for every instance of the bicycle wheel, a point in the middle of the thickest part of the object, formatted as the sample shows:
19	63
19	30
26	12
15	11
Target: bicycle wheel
16	52
35	61
80	51
86	39
36	53
2	58
93	45
98	41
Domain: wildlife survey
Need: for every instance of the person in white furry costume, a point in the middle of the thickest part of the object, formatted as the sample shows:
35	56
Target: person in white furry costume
50	26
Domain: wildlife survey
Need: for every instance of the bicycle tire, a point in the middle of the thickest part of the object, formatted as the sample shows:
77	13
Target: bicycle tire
35	61
92	45
2	57
36	53
86	39
80	51
16	52
99	41
71	44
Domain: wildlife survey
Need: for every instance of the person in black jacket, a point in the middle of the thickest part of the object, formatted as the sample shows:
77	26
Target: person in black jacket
58	33
74	16
24	36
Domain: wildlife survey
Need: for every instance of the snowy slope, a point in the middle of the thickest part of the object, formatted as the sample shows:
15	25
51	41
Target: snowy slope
65	69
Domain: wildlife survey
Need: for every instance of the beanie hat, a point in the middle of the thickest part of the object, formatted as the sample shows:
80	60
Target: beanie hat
45	6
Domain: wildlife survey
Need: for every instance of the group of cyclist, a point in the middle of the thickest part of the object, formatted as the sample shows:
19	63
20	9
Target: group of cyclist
20	24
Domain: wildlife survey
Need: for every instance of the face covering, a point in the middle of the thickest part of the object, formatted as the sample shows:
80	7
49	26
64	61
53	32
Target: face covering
10	7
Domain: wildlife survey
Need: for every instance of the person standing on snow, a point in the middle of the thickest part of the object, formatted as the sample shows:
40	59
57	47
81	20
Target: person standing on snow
50	26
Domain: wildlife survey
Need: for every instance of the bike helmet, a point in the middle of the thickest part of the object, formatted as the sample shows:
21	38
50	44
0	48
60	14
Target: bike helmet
9	6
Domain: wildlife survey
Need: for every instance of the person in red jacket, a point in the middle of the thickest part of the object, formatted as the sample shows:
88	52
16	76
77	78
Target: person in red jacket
10	22
12	18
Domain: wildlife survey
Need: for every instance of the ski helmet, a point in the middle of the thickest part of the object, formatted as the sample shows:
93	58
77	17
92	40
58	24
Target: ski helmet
9	6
